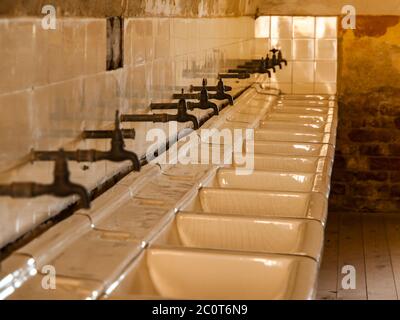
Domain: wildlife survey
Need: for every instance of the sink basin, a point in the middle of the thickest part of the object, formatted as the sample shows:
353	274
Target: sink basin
291	135
272	181
260	203
242	117
293	117
290	164
292	149
215	274
304	110
299	127
251	234
307	103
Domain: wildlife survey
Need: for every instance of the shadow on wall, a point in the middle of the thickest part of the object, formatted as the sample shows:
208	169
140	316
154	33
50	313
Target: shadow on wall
367	168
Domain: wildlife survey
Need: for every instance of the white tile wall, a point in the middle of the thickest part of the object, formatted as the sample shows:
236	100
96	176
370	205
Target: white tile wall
49	99
310	46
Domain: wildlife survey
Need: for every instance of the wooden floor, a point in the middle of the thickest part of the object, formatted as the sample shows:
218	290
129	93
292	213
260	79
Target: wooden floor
370	243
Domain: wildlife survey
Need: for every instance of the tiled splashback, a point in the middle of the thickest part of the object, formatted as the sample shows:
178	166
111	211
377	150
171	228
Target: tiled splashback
54	83
310	43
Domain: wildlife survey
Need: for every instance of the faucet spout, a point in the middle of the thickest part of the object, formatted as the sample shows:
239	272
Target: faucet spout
181	116
280	58
117	153
61	186
221	95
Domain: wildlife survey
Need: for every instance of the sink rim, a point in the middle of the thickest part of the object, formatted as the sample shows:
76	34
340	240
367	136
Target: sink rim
308	221
305	265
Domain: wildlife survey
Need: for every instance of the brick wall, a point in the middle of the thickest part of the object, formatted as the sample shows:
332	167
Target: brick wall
367	168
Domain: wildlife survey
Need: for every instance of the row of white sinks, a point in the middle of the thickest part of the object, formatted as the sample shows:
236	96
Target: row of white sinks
257	236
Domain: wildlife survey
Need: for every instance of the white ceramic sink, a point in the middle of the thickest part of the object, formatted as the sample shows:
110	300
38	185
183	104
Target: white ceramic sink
251	234
299	127
272	181
259	203
291	135
303	110
179	273
291	149
267	162
293	117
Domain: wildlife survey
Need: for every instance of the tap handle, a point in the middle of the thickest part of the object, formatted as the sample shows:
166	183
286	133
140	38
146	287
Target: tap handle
117	140
221	86
61	171
274	50
204	82
182	106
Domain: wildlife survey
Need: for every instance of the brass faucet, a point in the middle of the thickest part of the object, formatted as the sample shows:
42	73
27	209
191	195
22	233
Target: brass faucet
61	186
117	153
203	98
181	116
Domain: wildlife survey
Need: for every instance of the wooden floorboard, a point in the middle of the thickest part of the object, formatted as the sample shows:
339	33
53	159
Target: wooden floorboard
351	253
392	226
380	278
370	243
327	286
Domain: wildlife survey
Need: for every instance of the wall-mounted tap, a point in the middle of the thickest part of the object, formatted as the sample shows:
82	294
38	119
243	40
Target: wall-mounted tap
203	98
269	64
107	134
181	116
209	88
61	186
117	153
280	58
259	66
221	94
274	59
244	75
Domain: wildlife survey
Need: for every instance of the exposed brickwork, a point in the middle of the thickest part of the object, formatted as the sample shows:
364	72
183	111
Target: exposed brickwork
366	174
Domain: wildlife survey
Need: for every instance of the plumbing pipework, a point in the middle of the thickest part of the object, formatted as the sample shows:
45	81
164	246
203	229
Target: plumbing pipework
117	153
61	186
181	116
